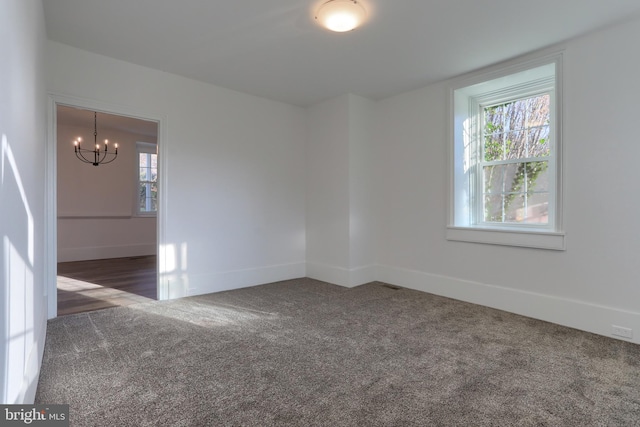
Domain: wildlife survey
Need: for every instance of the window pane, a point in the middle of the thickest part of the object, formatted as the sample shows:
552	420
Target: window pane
515	115
538	111
494	179
513	178
517	208
517	129
537	174
148	197
527	210
142	199
493	204
538	141
538	209
493	132
516	193
508	178
154	191
154	197
493	147
494	119
514	208
515	145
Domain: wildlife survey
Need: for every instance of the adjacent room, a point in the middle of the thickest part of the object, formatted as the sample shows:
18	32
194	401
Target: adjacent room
106	216
344	212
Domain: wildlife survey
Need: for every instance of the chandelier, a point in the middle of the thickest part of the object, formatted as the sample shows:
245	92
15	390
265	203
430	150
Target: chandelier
100	157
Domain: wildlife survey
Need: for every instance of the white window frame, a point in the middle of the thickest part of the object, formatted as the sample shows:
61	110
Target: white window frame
467	98
142	148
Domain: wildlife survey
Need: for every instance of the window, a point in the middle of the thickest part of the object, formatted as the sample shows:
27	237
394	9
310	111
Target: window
515	161
147	177
506	159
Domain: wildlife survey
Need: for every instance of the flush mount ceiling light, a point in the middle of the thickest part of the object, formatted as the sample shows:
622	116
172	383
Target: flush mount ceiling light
341	15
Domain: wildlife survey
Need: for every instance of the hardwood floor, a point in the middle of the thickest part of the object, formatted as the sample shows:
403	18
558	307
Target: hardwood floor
97	284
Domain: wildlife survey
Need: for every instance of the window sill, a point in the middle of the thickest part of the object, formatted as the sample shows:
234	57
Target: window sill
492	236
145	215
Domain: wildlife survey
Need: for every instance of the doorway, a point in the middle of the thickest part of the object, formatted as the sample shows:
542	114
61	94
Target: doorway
104	246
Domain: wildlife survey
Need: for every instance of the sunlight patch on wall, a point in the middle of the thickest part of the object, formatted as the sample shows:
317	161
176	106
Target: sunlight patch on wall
7	156
172	267
18	280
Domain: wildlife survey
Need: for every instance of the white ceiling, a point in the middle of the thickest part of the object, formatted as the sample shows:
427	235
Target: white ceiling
274	49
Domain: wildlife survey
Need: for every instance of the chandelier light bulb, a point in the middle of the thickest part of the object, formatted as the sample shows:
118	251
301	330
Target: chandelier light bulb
341	15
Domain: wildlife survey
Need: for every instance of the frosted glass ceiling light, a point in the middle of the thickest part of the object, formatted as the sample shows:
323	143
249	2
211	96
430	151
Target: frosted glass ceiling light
341	15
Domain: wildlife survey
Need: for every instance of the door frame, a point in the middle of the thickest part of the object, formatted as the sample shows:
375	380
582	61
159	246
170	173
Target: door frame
51	178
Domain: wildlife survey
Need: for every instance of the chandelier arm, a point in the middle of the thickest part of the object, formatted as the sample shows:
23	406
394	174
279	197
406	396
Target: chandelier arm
81	157
98	159
103	160
109	161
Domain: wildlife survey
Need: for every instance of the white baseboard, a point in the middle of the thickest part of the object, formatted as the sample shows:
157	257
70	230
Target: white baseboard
32	373
104	252
341	276
361	275
567	312
328	273
228	280
573	313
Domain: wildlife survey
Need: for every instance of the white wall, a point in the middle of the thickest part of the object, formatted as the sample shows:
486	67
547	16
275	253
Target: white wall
362	208
340	202
96	204
591	285
234	203
22	144
327	213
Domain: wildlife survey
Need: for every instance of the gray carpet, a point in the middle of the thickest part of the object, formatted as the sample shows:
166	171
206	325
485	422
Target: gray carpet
307	353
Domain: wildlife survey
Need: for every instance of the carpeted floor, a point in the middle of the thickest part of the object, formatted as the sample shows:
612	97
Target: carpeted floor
307	353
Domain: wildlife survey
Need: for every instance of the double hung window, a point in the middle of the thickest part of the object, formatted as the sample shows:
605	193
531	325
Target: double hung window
506	159
147	176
